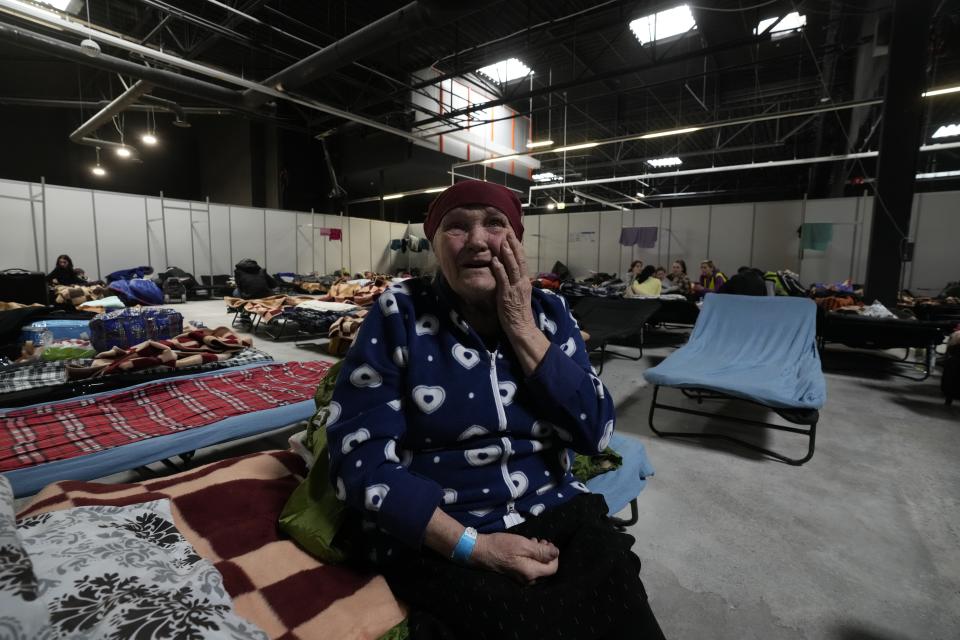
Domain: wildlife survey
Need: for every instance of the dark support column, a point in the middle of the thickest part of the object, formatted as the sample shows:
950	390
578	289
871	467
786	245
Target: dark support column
899	142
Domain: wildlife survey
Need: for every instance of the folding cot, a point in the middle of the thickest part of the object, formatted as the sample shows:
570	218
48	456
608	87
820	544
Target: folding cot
614	319
759	349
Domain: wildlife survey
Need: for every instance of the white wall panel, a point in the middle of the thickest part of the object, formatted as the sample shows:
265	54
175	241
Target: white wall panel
281	241
689	227
609	242
380	258
336	252
731	232
220	224
359	243
309	256
180	234
531	243
70	228
17	248
775	241
553	240
247	234
862	240
583	238
936	260
121	231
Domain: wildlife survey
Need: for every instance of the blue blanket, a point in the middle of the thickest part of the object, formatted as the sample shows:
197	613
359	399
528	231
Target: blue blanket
621	486
757	348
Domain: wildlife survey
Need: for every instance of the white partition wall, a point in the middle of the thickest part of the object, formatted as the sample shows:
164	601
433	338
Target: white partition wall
731	236
133	230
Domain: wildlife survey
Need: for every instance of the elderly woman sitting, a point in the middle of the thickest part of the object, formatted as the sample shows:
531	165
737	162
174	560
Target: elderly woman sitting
450	430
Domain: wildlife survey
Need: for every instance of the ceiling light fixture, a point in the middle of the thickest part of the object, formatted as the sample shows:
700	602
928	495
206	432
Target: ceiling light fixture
124	152
940	92
671	132
505	70
551	205
540	143
663	24
947	131
434	190
393	196
546	176
665	162
575	147
500	158
98	170
149	138
938	174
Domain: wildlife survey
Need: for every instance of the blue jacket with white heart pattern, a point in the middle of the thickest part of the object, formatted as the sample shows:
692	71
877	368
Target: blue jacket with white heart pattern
423	415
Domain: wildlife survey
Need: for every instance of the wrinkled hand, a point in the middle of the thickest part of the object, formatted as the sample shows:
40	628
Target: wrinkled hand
524	559
513	287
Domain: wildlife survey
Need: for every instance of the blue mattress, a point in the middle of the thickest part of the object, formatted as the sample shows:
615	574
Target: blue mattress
756	348
29	480
621	486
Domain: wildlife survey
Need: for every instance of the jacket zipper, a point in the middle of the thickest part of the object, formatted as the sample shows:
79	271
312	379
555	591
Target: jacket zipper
495	385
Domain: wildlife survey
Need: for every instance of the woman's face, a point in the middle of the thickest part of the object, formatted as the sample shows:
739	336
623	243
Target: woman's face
465	243
63	263
636	268
705	270
676	268
661	274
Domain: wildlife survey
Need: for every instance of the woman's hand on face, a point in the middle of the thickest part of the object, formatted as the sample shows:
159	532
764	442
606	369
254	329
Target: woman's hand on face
524	559
513	287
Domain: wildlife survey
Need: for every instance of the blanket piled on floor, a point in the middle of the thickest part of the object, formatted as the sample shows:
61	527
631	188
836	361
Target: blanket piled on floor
77	295
189	349
72	428
228	512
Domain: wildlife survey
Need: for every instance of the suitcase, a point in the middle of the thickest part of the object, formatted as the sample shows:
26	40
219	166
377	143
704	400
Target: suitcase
25	287
128	327
47	331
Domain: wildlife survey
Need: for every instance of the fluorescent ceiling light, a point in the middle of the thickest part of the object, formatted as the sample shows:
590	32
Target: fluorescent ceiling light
123	152
98	171
664	24
665	162
947	130
551	205
940	92
574	147
505	70
393	196
541	143
938	174
434	190
791	22
641	194
500	158
561	205
671	132
546	176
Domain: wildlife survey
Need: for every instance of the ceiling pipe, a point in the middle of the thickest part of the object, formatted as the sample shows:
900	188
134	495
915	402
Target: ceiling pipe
105	115
379	34
173	81
180	116
99	104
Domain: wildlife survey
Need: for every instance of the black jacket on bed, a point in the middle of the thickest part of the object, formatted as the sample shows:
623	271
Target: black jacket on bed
252	280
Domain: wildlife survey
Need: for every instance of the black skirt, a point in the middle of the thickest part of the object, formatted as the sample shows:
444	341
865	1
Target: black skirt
596	592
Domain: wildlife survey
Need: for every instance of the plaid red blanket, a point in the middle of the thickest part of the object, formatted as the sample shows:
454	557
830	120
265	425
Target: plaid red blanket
228	511
191	348
72	428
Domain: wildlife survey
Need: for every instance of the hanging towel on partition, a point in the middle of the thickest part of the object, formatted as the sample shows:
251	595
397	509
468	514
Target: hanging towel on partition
629	236
816	235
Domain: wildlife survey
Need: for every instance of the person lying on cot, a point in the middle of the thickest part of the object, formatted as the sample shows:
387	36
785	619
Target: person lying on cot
450	431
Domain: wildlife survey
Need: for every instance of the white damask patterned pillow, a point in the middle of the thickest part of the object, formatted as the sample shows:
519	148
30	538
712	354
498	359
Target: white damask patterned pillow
23	615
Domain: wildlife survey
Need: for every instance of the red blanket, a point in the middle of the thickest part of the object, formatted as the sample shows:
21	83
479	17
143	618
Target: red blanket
77	427
228	511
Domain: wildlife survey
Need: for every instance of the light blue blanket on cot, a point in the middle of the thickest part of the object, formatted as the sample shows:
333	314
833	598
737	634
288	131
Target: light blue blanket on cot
756	348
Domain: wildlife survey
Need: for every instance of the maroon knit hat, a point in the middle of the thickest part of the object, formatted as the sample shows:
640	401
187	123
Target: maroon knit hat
474	192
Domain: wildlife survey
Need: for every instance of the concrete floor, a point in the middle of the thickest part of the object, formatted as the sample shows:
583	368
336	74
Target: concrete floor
860	543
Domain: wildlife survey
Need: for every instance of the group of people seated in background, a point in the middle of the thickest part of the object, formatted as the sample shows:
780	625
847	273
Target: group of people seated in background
651	282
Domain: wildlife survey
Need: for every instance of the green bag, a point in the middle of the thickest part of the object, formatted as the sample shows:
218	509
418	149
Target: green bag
313	516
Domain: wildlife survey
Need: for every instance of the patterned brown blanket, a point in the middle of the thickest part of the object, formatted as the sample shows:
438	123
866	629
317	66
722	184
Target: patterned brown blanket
228	511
